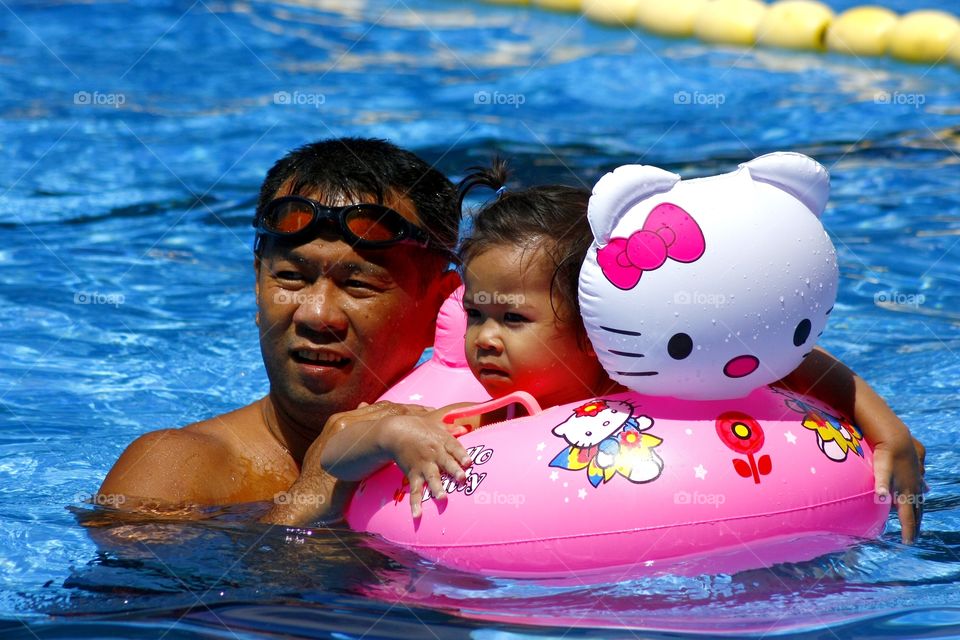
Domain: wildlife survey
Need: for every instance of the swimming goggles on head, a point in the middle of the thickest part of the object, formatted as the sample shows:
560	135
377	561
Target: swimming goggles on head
360	225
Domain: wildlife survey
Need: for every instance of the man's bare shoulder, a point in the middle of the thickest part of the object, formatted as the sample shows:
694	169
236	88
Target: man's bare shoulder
228	429
201	463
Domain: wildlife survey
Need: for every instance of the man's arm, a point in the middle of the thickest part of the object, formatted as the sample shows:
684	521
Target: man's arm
168	468
898	457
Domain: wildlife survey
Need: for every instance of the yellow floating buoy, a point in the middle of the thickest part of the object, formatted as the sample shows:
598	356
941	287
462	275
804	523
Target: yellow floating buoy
862	31
559	5
919	36
795	24
923	36
615	12
674	18
729	21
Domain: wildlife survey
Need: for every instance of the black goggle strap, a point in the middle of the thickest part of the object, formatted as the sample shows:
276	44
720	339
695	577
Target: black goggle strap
411	231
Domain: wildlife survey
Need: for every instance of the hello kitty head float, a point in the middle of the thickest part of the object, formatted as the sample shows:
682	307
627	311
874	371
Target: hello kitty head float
708	288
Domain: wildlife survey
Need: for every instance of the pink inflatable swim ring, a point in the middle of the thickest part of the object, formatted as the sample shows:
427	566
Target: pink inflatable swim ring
734	474
627	483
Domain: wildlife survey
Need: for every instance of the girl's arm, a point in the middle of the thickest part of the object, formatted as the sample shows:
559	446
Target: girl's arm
897	456
421	445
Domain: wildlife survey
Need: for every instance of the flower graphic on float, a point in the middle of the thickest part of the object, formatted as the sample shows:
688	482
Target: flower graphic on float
744	435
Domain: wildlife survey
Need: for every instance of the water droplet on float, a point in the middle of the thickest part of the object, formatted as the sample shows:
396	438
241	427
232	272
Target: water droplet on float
781	299
807	281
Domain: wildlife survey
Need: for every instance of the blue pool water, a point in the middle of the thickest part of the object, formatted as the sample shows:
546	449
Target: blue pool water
134	137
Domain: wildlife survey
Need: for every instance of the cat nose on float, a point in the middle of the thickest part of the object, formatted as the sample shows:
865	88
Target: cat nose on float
741	366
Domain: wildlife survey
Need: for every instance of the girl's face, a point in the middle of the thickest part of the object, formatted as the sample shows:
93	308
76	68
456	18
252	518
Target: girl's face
514	340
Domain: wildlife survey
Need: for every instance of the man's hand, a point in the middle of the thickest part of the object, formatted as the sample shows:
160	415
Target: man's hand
317	495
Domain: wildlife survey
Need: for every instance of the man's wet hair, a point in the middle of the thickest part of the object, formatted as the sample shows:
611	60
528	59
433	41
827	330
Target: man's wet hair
353	169
550	217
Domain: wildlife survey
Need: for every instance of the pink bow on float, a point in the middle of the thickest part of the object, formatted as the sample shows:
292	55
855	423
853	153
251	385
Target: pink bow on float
669	232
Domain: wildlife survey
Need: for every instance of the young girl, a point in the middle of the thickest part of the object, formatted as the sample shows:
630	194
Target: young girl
521	269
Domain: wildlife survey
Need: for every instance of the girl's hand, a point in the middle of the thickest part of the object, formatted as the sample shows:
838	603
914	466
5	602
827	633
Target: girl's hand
897	456
316	494
424	448
898	467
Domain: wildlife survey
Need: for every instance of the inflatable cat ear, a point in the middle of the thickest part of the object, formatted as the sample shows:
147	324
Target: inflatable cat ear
618	191
801	176
712	287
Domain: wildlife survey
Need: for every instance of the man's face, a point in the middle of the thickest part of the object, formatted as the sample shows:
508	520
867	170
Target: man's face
338	326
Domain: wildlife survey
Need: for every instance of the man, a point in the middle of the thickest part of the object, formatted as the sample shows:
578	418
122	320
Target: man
354	237
347	297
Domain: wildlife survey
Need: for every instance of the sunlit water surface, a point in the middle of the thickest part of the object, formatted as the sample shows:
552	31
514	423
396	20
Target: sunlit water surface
134	137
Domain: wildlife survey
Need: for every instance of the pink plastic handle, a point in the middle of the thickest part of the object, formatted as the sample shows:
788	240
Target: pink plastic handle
522	398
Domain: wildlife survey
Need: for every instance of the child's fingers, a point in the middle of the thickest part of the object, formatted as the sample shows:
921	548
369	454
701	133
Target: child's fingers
457	430
452	468
883	479
904	478
909	511
416	494
882	474
910	504
455	449
921	455
435	484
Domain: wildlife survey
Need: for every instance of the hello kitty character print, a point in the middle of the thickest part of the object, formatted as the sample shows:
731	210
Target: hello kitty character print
606	439
836	437
708	288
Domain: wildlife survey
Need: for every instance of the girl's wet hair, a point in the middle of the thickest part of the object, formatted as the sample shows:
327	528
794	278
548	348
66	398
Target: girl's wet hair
551	217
